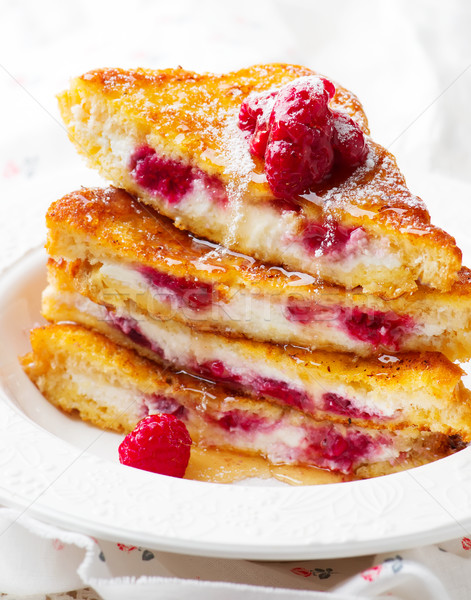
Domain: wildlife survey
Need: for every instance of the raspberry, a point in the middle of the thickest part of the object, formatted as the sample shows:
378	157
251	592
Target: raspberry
299	152
216	369
377	328
303	101
333	445
331	237
254	107
167	177
193	294
299	136
348	141
292	169
159	443
343	406
253	117
283	391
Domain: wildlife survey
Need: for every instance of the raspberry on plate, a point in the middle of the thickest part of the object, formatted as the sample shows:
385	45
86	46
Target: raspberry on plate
160	444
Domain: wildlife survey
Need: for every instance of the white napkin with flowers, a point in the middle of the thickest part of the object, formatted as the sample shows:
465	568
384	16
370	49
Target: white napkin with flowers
410	63
39	559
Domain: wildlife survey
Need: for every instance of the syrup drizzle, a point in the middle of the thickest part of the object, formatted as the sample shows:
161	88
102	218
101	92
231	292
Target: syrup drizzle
218	466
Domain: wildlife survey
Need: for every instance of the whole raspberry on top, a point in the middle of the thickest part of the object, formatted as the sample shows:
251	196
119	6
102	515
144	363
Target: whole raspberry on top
254	116
348	140
159	443
299	136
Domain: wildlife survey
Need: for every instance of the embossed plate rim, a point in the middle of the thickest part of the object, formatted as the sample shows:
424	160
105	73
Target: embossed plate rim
104	499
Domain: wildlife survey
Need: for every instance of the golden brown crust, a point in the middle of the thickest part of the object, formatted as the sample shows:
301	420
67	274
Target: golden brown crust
114	361
166	104
432	368
97	225
177	100
439	401
111	223
59	349
450	331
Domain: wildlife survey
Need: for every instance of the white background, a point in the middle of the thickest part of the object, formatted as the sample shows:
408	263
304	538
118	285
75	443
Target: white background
408	61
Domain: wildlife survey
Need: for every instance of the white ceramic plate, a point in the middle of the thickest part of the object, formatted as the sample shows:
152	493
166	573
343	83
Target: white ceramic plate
66	473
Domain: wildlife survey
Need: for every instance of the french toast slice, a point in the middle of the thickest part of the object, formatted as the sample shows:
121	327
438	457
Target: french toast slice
171	137
388	391
111	245
83	372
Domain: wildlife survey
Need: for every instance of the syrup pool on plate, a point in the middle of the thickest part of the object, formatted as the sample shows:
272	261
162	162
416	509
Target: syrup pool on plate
217	466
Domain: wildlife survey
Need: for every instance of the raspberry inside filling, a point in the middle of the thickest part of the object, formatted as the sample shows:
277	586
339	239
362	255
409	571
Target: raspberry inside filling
380	329
191	294
156	403
256	385
324	446
237	420
170	178
328	448
131	329
377	328
330	238
261	386
334	403
281	391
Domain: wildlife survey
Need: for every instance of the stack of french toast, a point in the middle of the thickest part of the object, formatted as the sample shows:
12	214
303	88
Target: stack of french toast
258	268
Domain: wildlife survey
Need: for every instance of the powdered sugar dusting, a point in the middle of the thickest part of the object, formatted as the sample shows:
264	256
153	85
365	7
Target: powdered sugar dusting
315	83
376	188
344	130
238	168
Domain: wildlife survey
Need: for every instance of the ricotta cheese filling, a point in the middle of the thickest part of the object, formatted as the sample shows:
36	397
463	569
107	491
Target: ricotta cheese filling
200	196
123	400
280	441
269	317
209	356
263	228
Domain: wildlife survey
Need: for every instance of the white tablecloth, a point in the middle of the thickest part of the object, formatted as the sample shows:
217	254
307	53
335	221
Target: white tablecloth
410	64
